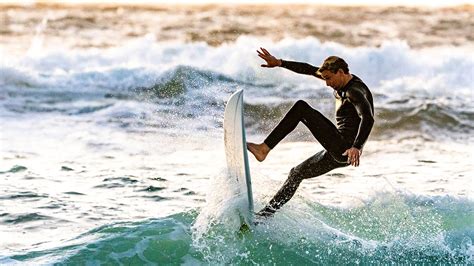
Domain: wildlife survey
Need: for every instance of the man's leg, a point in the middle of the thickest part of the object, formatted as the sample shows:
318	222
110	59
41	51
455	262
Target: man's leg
316	165
322	129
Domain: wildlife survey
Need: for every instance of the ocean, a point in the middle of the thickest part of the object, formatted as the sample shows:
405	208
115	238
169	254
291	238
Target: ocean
111	143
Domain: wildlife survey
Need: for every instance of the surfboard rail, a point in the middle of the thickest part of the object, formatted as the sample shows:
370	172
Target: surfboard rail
236	150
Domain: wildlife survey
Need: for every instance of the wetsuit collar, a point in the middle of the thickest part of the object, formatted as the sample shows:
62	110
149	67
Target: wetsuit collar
342	91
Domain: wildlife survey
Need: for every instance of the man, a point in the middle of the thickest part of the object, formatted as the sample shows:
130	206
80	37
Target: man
343	143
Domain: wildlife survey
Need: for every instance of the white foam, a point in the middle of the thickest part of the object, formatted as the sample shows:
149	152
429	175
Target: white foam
440	75
142	60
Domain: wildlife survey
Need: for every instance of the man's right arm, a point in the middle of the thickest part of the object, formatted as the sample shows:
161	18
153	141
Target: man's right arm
300	68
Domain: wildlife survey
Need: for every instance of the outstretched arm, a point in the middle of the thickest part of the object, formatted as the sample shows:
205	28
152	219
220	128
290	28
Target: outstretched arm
298	67
301	68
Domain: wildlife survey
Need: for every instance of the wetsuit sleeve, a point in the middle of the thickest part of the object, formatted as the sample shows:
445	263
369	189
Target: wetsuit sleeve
359	99
301	68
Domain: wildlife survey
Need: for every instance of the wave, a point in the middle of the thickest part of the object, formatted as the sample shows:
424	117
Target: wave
385	67
389	228
16	77
428	119
180	80
176	84
425	119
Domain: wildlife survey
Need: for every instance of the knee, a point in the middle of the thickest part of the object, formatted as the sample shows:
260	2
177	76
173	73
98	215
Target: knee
295	176
301	107
301	104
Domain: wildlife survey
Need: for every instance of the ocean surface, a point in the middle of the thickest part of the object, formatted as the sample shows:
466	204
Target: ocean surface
111	140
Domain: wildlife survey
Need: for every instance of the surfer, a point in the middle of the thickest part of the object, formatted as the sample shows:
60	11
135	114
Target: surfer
342	142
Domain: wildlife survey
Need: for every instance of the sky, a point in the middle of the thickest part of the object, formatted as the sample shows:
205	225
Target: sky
326	2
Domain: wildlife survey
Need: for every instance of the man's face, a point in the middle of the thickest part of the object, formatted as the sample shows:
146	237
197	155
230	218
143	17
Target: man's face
333	80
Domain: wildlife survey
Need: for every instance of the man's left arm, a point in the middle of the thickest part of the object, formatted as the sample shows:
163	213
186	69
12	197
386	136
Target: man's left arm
359	99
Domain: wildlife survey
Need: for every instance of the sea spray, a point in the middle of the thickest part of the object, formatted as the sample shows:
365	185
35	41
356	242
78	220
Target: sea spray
216	229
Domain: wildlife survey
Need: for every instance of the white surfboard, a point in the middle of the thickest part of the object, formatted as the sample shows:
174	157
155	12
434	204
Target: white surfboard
236	152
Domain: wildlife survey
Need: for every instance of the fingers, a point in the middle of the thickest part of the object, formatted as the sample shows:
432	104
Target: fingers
264	56
346	153
267	57
352	158
265	51
351	161
355	161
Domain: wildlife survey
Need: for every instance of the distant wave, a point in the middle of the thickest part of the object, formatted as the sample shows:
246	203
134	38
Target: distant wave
177	81
426	118
431	120
393	67
183	87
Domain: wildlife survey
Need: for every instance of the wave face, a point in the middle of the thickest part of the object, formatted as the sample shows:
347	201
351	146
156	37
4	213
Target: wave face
182	87
389	228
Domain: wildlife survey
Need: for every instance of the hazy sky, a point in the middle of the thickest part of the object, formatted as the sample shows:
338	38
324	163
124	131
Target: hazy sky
334	2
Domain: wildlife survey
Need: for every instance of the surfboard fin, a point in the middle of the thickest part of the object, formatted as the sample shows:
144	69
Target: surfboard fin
244	228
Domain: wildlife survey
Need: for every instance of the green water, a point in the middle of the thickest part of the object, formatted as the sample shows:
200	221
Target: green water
387	229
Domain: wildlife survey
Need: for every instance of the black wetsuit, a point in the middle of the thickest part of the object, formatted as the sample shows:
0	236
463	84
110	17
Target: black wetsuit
354	120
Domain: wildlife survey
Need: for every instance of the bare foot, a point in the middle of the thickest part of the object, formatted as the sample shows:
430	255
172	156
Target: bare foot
260	151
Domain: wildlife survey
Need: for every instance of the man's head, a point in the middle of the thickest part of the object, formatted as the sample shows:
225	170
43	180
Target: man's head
335	72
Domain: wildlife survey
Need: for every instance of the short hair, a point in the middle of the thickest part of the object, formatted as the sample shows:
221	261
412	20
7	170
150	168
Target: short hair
333	64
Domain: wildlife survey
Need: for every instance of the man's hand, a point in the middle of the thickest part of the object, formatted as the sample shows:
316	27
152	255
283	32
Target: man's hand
353	155
270	59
